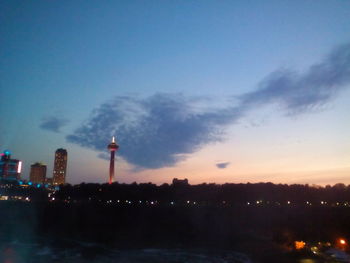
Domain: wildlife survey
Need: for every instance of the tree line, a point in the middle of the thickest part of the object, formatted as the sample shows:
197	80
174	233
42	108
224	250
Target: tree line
264	193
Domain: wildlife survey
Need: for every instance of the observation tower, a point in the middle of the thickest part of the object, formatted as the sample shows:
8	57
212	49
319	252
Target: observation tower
112	147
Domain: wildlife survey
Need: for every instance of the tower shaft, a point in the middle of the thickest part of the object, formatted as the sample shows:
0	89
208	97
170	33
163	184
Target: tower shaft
111	168
112	147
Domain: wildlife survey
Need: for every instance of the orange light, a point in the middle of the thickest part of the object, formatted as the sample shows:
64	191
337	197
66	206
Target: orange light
299	244
342	241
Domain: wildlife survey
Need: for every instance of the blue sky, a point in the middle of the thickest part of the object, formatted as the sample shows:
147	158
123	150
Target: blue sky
217	91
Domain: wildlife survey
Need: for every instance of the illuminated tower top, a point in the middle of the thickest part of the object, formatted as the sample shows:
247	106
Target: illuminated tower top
113	146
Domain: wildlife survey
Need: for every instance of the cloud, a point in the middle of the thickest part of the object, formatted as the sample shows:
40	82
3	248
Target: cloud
154	132
222	165
53	124
163	129
104	156
301	92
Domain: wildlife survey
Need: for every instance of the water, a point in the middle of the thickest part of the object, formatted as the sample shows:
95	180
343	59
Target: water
86	252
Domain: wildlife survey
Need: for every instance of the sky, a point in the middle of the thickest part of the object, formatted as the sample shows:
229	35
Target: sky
213	91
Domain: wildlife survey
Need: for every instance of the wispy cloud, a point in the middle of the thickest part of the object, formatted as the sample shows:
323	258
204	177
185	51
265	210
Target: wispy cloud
53	123
162	129
223	165
153	132
302	92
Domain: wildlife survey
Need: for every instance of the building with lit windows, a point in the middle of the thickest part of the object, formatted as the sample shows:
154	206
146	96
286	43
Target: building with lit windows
60	167
10	169
37	173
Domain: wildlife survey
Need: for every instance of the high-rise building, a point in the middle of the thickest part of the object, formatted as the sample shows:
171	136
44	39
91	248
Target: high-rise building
60	167
10	169
37	173
112	147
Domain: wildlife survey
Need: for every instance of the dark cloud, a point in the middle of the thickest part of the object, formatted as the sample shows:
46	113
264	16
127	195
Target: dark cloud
53	124
153	132
300	92
160	130
222	165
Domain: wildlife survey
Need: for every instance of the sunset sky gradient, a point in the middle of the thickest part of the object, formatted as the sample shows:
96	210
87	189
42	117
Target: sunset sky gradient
212	91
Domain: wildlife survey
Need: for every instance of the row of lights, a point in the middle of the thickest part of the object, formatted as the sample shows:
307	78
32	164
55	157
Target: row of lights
260	202
340	243
15	197
189	202
128	201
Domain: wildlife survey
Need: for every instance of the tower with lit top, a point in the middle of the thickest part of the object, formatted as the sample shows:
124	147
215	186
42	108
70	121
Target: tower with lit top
112	147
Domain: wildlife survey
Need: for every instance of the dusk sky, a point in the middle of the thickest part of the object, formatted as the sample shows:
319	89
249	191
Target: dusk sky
213	91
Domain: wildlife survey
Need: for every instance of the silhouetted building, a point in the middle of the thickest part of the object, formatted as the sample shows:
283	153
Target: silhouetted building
37	173
180	182
10	169
112	147
60	167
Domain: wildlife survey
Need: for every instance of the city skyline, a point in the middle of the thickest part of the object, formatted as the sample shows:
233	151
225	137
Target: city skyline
213	92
